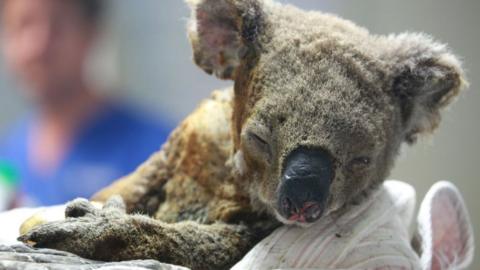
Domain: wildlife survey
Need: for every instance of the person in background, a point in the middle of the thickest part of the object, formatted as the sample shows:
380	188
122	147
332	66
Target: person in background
74	141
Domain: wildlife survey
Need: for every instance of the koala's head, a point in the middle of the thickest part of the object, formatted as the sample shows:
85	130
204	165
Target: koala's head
321	107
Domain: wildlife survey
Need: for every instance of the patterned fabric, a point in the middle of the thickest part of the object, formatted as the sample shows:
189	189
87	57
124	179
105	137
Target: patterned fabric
372	235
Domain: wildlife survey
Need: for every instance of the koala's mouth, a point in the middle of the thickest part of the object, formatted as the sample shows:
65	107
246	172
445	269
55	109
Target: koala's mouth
309	212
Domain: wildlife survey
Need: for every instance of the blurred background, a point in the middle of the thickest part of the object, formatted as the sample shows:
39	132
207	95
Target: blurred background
144	57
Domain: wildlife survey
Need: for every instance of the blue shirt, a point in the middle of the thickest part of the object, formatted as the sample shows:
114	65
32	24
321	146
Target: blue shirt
109	146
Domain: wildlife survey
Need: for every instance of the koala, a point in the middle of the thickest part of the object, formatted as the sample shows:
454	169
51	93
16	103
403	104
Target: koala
316	116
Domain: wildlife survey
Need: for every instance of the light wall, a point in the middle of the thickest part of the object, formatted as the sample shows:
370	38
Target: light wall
146	53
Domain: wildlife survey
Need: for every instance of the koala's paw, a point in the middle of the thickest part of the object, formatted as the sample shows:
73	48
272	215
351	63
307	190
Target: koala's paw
87	230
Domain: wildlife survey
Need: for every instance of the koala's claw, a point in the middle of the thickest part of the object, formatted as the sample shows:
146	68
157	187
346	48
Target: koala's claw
47	235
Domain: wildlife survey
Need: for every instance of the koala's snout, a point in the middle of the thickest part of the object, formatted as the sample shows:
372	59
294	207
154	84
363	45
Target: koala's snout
305	184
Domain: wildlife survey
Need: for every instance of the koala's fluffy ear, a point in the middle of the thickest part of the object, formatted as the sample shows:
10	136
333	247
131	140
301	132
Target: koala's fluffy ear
426	78
223	32
444	229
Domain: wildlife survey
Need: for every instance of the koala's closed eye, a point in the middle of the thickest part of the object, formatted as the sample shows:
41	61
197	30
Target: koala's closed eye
262	142
359	163
257	141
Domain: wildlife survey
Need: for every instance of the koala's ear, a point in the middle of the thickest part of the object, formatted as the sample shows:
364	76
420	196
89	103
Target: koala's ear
426	78
444	229
223	32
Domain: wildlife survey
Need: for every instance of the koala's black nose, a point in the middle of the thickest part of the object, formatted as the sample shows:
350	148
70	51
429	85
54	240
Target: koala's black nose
305	185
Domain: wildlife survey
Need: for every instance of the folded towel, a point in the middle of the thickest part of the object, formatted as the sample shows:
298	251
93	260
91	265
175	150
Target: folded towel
371	235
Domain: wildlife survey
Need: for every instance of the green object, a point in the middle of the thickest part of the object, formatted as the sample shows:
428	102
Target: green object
8	174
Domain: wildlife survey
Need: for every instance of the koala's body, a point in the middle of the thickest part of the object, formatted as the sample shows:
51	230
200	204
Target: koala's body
313	123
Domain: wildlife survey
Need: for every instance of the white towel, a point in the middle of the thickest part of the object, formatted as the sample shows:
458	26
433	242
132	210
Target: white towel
372	235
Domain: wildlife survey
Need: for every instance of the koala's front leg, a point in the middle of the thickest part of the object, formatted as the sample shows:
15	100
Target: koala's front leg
86	230
109	234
